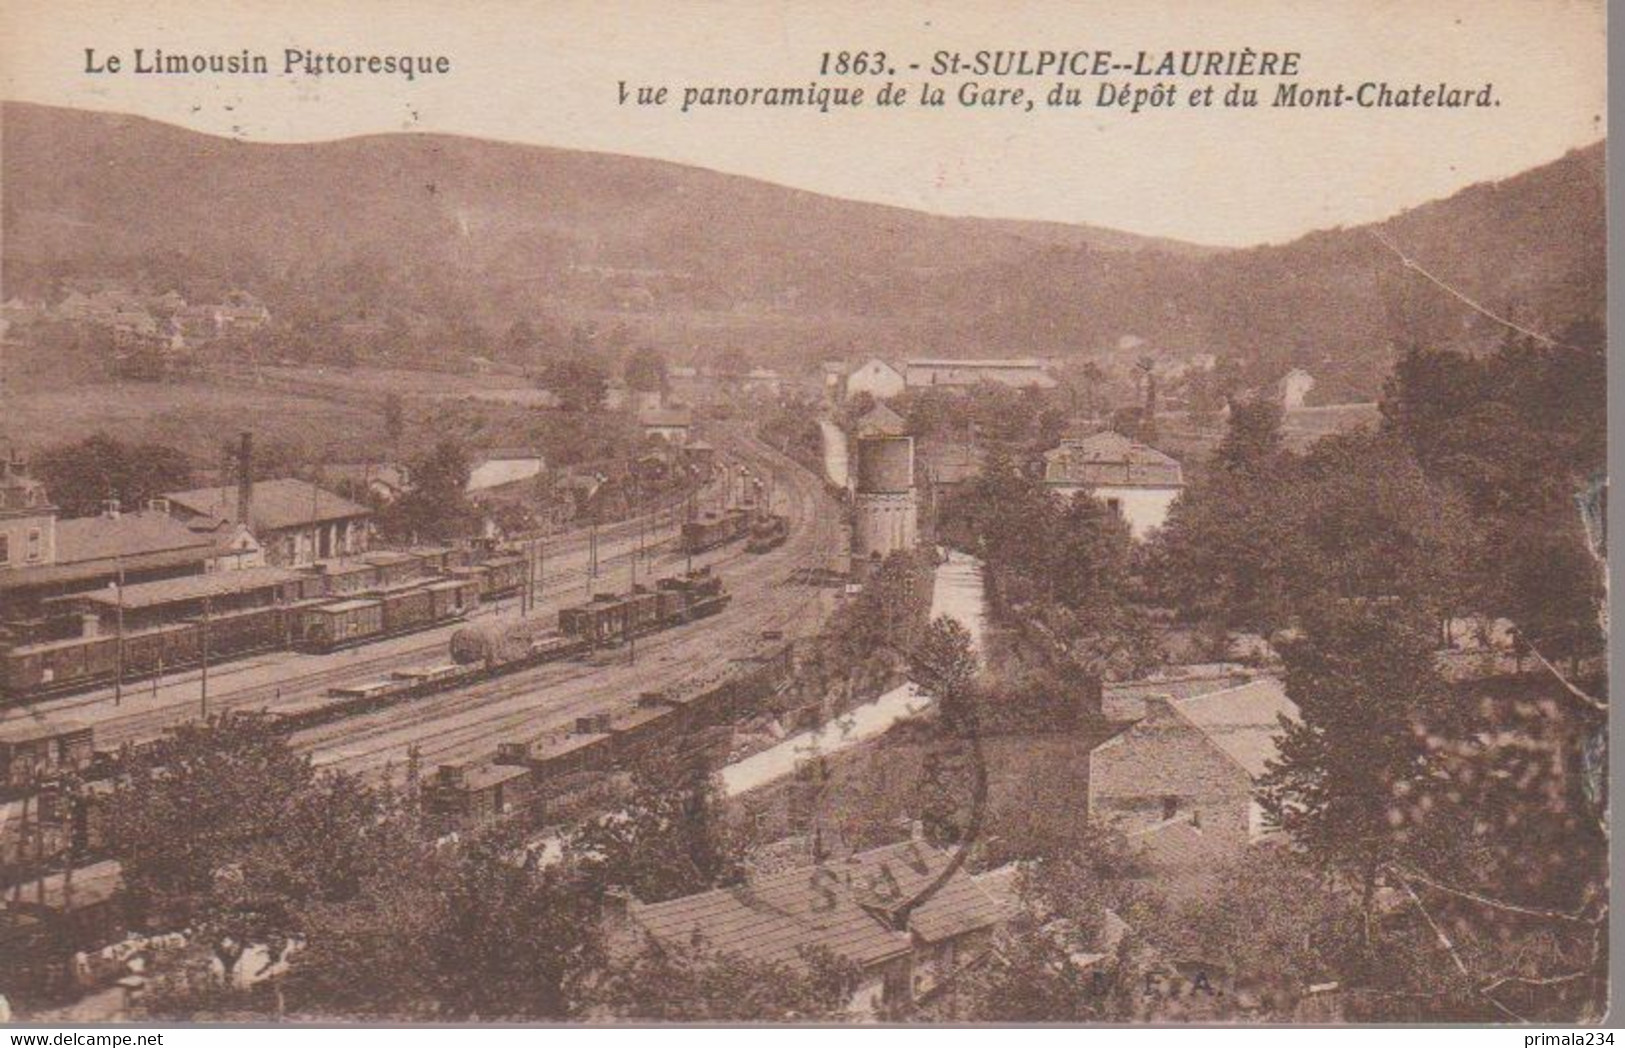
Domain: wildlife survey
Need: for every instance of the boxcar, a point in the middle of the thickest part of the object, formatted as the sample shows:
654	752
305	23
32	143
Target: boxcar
464	793
642	611
505	575
328	626
579	751
348	577
432	560
37	669
596	622
405	610
393	567
31	751
153	651
453	598
242	632
479	574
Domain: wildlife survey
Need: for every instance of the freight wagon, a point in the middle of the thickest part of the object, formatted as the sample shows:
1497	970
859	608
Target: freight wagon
504	575
393	568
767	533
31	752
712	530
328	626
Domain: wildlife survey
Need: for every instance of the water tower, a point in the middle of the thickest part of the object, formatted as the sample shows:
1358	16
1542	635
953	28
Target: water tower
885	506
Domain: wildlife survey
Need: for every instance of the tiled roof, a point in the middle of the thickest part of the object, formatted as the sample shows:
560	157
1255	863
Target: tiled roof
943	362
840	906
881	421
277	504
190	587
666	417
1110	458
1243	721
127	535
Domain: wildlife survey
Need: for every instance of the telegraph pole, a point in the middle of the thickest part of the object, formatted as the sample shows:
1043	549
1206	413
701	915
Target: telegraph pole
118	676
204	701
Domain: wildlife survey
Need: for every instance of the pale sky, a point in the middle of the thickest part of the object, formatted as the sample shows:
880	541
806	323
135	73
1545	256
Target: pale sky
547	73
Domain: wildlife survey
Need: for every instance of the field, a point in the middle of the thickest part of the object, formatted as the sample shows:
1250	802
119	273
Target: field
196	417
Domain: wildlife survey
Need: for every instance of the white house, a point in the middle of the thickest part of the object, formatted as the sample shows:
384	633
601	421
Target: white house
875	377
504	466
1294	388
1134	480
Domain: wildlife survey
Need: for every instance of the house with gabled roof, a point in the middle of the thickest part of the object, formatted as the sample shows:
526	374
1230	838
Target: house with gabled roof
902	915
876	377
1180	781
1135	480
295	522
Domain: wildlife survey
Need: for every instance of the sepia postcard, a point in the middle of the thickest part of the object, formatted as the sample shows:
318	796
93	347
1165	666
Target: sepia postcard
772	513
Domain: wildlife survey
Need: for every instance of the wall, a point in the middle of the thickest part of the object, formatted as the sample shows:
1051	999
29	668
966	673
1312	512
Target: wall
17	529
1143	508
883	523
875	378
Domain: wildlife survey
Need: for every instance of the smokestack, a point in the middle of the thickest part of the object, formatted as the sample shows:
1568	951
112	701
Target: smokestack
245	478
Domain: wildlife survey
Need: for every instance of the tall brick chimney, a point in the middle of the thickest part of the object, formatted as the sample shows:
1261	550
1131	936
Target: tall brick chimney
245	478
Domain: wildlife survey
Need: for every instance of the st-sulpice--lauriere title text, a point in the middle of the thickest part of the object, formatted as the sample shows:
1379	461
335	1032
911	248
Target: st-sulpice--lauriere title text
293	61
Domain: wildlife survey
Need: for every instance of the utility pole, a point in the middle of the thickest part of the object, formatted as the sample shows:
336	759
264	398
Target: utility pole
204	701
118	674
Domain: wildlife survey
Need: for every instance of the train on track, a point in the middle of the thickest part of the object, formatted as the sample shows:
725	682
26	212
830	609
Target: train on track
32	752
767	533
710	530
523	774
342	604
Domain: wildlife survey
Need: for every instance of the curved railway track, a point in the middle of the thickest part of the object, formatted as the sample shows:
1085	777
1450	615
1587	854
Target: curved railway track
468	724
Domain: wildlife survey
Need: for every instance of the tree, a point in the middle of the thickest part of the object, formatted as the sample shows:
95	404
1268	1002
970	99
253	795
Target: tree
199	825
646	370
510	942
666	841
579	383
80	477
1369	694
437	506
1252	442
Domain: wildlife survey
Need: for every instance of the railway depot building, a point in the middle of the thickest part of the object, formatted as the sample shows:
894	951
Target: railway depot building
42	557
294	522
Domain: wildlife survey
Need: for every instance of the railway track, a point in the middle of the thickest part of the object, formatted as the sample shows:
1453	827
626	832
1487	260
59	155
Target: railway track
468	725
181	703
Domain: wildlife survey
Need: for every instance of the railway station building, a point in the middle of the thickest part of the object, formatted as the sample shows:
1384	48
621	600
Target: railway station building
295	522
42	557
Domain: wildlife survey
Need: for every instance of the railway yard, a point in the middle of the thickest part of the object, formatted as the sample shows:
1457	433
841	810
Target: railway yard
440	714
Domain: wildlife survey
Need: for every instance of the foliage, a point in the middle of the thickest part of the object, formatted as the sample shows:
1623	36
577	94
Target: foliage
1368	693
223	827
645	370
437	507
666	841
1520	433
1060	574
80	477
1257	545
579	383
